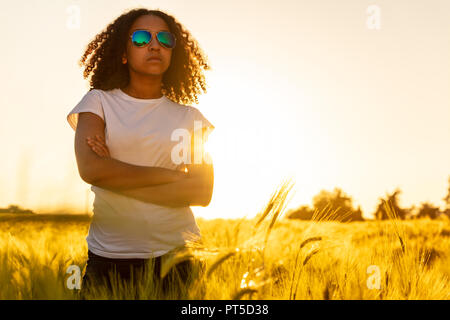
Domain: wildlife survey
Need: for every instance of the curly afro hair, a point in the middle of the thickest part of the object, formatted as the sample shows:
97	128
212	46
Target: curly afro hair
182	80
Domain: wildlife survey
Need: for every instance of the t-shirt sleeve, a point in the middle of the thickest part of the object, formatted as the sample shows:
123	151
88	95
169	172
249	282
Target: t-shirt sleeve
89	103
200	122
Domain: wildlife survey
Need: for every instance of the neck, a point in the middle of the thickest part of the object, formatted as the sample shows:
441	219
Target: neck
148	87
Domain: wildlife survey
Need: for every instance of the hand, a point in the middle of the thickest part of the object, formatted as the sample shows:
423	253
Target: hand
98	145
203	169
182	167
203	175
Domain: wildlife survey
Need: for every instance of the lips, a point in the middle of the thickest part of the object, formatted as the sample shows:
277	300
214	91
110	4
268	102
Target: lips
154	59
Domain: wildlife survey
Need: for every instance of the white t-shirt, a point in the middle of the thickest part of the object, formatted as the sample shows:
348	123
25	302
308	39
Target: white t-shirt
138	131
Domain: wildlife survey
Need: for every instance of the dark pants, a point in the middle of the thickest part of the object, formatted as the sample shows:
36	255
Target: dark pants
100	269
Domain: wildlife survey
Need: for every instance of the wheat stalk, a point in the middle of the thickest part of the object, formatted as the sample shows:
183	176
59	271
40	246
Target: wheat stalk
243	292
219	261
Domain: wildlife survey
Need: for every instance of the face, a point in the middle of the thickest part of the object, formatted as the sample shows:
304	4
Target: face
138	58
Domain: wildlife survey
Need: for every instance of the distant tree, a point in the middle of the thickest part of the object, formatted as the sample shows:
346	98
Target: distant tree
357	215
15	209
337	201
411	212
303	213
392	199
446	213
428	210
447	198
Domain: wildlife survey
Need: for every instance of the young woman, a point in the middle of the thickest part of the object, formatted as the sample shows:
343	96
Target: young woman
132	132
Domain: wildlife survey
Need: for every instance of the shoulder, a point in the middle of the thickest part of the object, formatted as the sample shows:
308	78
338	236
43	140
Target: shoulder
181	107
94	92
188	109
92	96
99	93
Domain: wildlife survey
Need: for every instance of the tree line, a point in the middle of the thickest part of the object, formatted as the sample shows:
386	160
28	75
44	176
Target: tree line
344	211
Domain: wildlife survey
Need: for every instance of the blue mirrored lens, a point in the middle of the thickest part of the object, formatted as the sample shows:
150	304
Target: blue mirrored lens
166	39
141	38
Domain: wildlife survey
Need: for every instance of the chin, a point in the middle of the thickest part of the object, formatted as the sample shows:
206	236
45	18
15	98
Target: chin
152	71
155	73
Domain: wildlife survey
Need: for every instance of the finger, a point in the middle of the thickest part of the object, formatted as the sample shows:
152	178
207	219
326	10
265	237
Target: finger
100	138
97	148
98	142
95	139
102	147
97	151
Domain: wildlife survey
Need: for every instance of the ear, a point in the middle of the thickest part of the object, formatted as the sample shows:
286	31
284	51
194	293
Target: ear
124	59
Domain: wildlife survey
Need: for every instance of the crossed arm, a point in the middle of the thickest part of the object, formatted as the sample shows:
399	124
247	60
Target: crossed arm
189	185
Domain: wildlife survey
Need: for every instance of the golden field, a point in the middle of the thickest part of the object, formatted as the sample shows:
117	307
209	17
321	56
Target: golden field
274	259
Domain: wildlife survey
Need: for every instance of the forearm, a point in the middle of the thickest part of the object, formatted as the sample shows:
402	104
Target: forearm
117	175
194	190
182	193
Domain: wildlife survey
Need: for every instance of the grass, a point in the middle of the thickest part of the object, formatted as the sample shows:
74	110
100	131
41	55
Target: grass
266	257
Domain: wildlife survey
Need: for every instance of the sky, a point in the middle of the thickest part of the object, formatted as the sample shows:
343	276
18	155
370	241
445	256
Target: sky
351	94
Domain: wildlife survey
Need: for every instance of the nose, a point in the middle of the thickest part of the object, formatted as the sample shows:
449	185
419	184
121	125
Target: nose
154	43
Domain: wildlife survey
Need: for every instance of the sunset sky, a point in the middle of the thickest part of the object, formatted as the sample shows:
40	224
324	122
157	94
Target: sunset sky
301	89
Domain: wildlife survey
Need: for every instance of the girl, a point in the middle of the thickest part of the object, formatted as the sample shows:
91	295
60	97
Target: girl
132	132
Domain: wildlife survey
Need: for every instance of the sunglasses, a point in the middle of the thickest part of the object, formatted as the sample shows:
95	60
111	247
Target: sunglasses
141	38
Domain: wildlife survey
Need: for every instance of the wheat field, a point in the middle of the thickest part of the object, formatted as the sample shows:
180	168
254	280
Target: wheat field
266	257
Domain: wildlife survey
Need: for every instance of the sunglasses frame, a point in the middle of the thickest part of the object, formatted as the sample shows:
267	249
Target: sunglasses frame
151	38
